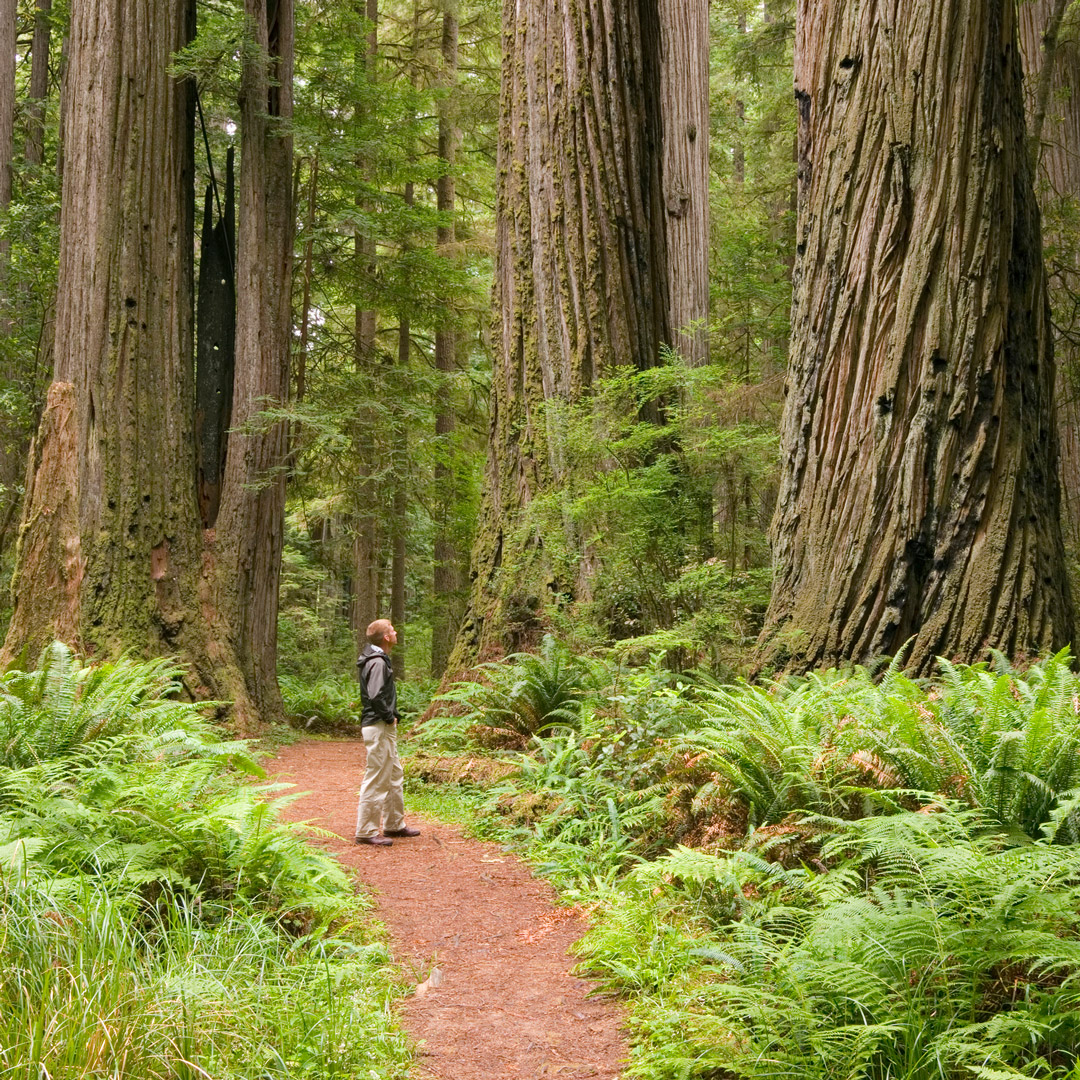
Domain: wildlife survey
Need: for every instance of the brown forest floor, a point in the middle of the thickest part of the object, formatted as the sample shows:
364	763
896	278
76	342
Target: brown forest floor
507	1004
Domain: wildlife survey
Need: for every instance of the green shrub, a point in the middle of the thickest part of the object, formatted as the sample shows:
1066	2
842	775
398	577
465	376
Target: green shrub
326	702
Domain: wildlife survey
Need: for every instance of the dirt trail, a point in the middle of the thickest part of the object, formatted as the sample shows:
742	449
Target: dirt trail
507	1005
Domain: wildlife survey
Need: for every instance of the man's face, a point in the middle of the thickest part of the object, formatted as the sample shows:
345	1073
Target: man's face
391	638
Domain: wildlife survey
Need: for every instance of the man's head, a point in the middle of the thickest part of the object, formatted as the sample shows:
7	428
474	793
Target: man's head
382	633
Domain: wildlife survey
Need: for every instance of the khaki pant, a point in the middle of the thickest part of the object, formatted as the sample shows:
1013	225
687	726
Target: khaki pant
381	798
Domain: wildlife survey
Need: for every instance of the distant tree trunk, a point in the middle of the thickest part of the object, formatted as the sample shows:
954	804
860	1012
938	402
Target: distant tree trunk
919	495
1051	55
399	479
109	549
215	346
39	83
447	559
364	608
8	19
684	82
250	524
581	272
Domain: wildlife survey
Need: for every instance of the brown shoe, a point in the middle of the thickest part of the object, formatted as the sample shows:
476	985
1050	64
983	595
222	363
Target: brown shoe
403	831
374	841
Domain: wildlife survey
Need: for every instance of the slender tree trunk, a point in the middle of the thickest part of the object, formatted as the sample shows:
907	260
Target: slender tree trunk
399	478
684	96
1051	55
581	272
919	495
250	524
108	556
8	20
447	559
364	608
39	83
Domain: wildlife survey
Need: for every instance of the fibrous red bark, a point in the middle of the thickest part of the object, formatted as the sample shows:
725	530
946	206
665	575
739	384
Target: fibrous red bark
581	274
919	496
109	546
250	529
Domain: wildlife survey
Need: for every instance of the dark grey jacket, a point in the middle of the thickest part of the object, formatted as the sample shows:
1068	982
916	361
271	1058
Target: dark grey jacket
378	694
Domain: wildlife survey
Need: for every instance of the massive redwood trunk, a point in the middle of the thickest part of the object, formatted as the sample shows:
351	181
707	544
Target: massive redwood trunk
919	496
251	519
1051	53
581	283
109	547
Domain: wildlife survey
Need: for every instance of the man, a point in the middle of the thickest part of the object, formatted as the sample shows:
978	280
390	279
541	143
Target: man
381	799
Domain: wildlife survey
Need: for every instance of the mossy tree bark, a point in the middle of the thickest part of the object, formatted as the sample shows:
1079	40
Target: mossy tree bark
109	551
581	272
251	519
8	21
919	493
1051	52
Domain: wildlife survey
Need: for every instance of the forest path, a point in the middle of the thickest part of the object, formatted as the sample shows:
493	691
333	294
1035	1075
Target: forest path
507	1005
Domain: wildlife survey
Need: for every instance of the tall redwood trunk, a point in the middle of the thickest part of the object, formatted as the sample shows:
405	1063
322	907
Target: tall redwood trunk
1051	55
251	519
684	90
8	19
109	547
447	560
919	495
581	274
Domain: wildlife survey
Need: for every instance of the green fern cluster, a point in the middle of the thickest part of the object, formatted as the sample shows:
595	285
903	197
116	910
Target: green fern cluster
323	702
156	919
104	774
921	954
527	693
1002	740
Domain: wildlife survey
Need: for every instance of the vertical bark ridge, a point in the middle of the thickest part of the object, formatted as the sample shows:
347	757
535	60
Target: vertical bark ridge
580	286
919	495
250	525
115	452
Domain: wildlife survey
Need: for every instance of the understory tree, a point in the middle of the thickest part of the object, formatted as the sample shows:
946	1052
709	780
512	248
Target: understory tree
919	494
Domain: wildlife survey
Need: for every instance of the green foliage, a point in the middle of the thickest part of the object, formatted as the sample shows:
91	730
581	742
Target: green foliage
1004	741
103	775
329	702
527	694
925	951
886	885
93	984
146	886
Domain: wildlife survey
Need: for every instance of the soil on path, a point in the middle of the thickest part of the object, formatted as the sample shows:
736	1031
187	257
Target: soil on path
507	1005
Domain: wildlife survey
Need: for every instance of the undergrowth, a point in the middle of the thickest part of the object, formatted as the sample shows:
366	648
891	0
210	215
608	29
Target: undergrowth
850	875
156	918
